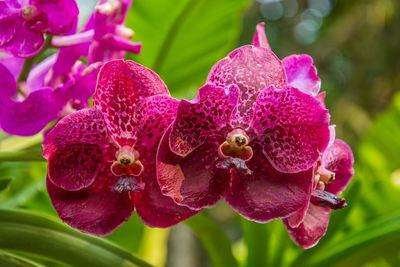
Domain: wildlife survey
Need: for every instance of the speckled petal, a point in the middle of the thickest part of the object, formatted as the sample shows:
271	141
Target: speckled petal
302	74
25	42
155	209
75	148
193	181
153	115
292	126
313	227
120	86
268	194
339	159
8	85
61	14
96	209
31	115
252	69
205	116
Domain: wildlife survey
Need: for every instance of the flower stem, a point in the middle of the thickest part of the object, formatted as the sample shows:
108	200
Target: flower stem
23	155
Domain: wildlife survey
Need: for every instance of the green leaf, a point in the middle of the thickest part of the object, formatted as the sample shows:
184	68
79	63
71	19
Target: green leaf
4	182
377	239
214	240
32	233
182	39
8	259
22	155
256	237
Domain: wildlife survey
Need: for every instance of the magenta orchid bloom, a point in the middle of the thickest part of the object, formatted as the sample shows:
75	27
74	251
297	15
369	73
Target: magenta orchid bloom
251	136
101	161
332	176
104	37
23	23
44	96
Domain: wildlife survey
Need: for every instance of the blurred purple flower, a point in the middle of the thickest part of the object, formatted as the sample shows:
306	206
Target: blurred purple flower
104	37
23	23
27	107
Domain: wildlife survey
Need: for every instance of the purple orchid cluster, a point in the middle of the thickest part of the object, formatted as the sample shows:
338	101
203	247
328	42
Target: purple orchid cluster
35	89
257	135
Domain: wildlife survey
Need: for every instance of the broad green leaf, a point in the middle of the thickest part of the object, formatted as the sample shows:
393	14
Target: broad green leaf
375	240
182	39
4	182
32	233
8	259
22	155
27	181
15	143
129	235
214	240
256	237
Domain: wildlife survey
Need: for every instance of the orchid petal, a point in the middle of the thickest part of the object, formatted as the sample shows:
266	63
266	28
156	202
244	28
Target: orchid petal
302	74
292	126
32	114
96	209
155	209
75	148
9	13
8	85
206	115
313	227
120	86
192	181
260	38
339	159
268	194
61	14
252	69
25	42
154	114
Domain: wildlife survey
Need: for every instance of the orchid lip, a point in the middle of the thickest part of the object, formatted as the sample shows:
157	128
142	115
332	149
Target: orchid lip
236	145
128	184
127	163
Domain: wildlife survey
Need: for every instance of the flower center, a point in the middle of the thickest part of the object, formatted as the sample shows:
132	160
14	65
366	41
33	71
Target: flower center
235	151
236	145
323	177
34	18
127	163
29	12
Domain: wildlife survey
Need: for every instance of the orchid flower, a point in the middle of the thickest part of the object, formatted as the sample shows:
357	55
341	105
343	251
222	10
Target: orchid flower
23	23
101	161
251	136
332	175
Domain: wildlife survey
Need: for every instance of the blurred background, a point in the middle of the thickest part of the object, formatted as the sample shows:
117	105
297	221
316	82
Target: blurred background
356	48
